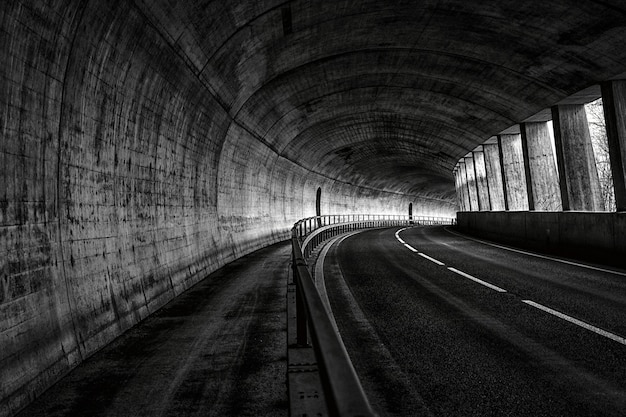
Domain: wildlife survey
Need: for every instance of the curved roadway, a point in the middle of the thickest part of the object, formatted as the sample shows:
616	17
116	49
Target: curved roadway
439	324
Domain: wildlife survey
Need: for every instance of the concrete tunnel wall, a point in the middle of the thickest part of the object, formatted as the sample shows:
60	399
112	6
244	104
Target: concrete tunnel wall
124	182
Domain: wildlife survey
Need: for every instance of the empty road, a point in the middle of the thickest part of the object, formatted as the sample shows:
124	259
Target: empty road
439	324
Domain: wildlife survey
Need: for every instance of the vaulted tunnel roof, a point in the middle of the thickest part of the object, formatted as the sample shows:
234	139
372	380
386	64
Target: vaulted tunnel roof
390	94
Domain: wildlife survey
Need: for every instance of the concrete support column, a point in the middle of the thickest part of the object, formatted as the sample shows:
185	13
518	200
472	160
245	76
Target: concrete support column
471	183
463	189
542	180
459	190
578	176
513	171
494	177
614	103
464	186
482	183
456	188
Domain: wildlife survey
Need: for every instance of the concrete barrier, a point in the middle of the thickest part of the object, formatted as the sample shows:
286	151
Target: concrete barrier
594	236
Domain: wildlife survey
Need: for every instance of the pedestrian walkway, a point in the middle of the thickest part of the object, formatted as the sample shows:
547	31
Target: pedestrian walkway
219	349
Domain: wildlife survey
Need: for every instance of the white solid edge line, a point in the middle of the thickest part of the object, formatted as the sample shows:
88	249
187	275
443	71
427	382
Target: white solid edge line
577	322
401	241
319	274
411	248
431	259
479	281
538	255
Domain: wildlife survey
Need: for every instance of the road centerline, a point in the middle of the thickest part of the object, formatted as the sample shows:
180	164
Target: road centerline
430	258
577	322
479	281
397	234
545	309
411	248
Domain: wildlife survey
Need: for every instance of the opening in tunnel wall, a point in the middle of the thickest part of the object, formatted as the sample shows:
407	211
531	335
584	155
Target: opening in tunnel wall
125	182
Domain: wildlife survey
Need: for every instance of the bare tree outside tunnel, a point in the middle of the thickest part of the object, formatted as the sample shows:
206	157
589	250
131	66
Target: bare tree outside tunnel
597	130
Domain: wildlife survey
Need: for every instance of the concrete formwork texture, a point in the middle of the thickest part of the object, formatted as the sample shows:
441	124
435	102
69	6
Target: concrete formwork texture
145	144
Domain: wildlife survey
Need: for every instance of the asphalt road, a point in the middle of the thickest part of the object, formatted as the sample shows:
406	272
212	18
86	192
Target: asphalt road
438	324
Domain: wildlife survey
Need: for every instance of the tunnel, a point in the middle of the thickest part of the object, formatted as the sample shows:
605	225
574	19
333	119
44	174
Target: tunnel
147	144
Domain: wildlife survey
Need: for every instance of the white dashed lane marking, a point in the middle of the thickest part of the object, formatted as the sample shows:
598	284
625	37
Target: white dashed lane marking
577	322
411	248
430	259
479	281
543	308
399	238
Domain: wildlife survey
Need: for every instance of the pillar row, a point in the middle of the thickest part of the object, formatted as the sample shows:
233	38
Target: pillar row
578	177
614	103
542	180
514	177
494	175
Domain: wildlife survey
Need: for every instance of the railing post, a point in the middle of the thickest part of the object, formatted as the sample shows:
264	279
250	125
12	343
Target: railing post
301	324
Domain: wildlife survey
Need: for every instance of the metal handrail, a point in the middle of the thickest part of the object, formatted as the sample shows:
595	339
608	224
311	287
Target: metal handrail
308	229
343	390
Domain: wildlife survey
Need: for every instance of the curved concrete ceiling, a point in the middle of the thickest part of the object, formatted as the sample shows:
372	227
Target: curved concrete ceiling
391	94
146	143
